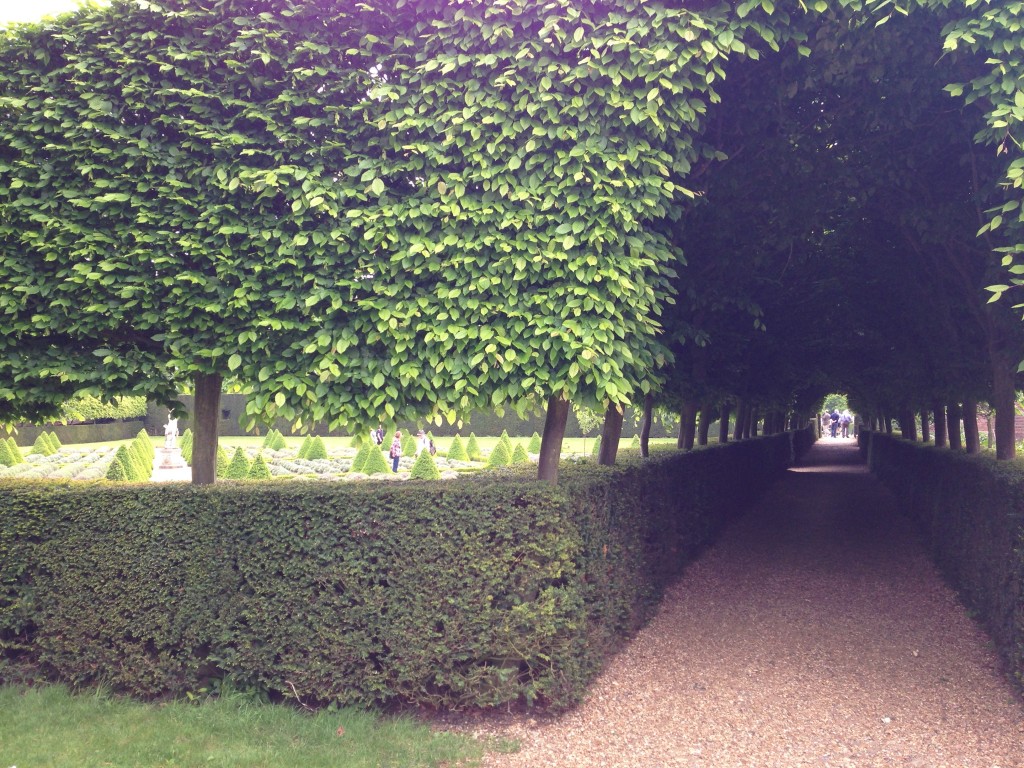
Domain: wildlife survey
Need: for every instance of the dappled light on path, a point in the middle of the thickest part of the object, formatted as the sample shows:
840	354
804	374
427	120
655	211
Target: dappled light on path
815	633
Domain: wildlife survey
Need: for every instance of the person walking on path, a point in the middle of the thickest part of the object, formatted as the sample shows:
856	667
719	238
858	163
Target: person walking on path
816	633
396	451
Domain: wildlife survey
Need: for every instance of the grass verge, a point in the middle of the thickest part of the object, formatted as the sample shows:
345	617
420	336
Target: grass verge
48	727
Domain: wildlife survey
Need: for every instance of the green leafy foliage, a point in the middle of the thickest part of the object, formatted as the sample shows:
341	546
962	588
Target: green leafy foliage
6	459
15	451
238	469
519	455
409	445
259	469
457	451
88	408
307	443
54	441
534	445
634	444
425	468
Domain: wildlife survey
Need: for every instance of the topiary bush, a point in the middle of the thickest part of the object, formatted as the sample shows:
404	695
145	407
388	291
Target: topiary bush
223	462
316	450
376	462
519	455
122	469
364	453
408	445
425	468
54	441
457	452
15	451
42	446
635	442
238	469
307	442
6	459
500	456
534	446
259	469
473	449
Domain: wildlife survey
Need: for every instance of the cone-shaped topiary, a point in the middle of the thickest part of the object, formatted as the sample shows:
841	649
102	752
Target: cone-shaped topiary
279	444
139	462
55	441
186	453
376	463
357	441
534	446
473	448
597	447
50	437
304	448
42	445
425	468
519	455
15	451
364	453
408	445
238	469
116	471
500	457
186	440
146	443
223	462
317	449
635	442
259	469
268	440
507	441
457	451
5	454
124	458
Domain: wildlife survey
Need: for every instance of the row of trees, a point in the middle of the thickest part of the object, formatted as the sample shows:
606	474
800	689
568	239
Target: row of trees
401	210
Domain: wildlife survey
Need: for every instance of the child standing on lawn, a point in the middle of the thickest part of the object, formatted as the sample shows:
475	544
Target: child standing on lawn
396	451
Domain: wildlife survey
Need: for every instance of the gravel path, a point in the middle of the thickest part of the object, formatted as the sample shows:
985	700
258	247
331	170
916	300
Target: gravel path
815	633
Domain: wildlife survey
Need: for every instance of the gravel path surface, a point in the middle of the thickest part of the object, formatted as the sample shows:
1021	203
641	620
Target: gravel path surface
815	633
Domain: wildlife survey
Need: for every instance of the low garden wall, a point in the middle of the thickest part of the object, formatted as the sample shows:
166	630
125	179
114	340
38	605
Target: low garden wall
476	592
970	509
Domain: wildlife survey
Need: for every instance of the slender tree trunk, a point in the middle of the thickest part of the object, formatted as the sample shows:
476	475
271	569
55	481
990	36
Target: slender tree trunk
908	424
741	415
972	440
645	426
1004	402
953	426
205	420
551	443
990	428
887	423
926	433
752	423
704	425
723	423
611	433
688	425
939	411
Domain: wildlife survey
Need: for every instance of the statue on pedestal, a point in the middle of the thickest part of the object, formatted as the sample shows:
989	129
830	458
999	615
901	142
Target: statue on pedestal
170	433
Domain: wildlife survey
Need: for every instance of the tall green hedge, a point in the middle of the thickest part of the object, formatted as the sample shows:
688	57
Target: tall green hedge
971	511
482	592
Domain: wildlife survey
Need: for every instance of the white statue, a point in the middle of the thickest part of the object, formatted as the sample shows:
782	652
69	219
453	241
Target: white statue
170	432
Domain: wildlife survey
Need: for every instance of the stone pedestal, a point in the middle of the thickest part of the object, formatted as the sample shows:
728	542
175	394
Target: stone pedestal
169	458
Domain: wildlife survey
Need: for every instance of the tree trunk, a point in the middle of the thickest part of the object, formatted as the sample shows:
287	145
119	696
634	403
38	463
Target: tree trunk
908	424
551	443
704	425
990	428
741	417
645	426
940	424
926	433
953	426
723	423
688	425
887	423
972	440
752	422
611	433
205	418
1004	402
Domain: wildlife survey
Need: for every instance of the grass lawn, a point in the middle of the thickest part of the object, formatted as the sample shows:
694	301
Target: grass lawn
49	728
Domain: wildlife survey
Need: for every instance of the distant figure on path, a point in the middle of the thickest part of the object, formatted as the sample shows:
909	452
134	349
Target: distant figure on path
834	418
396	451
844	421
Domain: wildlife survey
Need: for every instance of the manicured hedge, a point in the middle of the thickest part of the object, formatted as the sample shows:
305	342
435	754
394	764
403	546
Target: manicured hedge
477	592
971	511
